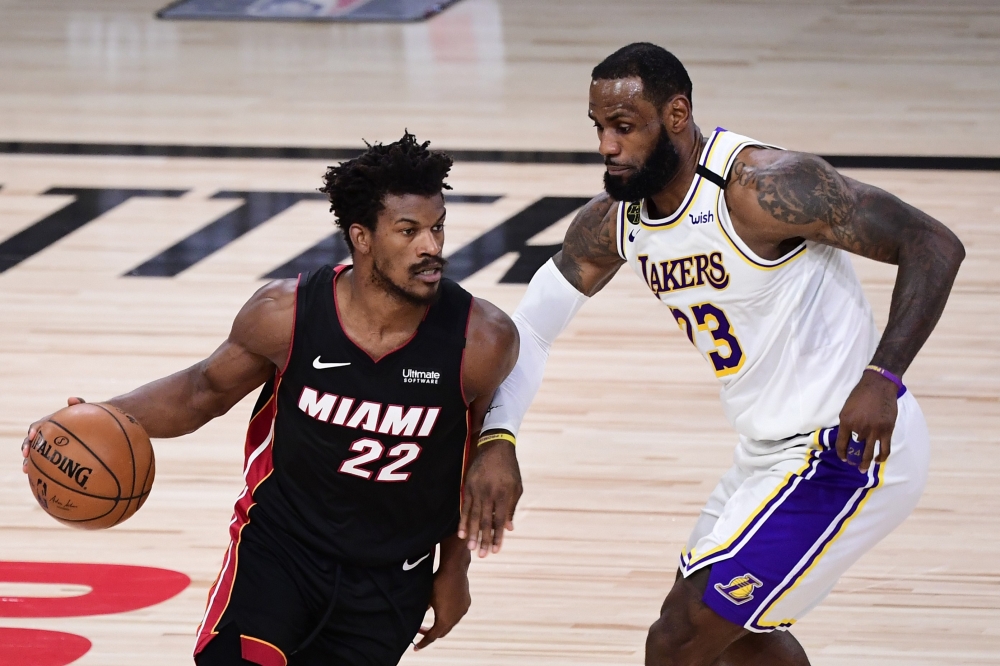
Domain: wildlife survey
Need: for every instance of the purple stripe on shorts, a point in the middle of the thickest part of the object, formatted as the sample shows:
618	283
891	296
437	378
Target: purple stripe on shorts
761	515
788	541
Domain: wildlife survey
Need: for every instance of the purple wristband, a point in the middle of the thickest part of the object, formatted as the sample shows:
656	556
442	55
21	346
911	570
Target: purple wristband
900	389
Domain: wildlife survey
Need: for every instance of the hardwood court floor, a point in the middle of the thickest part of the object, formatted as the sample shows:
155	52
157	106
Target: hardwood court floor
626	438
872	76
622	446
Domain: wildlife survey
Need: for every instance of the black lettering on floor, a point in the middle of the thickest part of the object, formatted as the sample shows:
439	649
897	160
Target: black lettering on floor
512	236
90	203
333	249
257	208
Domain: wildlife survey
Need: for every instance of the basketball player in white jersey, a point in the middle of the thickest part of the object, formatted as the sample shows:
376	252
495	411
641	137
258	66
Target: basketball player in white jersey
746	244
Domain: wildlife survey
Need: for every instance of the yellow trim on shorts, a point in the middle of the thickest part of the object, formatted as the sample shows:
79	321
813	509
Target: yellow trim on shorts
870	491
783	486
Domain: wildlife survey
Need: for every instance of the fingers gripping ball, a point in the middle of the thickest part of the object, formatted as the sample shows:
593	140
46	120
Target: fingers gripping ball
91	466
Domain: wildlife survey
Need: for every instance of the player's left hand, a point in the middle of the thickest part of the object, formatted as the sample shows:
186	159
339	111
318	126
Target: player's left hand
870	414
450	600
492	490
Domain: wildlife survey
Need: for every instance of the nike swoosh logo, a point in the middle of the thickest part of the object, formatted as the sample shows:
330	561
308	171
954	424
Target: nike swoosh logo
631	235
320	365
407	566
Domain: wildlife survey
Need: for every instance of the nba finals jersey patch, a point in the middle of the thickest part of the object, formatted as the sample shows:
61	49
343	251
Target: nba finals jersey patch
632	212
740	589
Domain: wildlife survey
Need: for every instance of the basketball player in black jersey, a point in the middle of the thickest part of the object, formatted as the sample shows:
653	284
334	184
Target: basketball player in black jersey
375	380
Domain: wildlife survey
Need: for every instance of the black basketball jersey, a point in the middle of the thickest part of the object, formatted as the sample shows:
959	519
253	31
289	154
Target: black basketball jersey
365	458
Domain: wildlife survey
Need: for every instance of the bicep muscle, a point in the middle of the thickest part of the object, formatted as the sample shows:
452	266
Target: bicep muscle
802	195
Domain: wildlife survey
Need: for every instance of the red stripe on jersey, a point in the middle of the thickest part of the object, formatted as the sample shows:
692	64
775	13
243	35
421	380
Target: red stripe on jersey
261	652
295	311
259	465
461	374
466	456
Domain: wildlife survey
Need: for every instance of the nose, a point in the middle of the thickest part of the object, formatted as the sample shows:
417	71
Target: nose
609	146
429	244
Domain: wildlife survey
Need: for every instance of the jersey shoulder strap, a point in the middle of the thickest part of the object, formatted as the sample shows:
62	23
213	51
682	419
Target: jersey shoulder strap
722	154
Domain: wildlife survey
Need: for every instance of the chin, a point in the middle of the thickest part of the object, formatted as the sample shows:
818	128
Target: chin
422	293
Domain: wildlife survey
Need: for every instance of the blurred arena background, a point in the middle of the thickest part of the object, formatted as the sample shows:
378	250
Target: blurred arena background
153	172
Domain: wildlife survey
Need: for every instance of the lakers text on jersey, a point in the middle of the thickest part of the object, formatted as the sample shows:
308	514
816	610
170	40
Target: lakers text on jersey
787	338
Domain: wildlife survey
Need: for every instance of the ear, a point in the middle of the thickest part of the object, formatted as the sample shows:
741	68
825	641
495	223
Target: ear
361	238
676	114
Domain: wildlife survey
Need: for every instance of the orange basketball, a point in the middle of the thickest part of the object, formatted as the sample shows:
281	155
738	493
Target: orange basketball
91	466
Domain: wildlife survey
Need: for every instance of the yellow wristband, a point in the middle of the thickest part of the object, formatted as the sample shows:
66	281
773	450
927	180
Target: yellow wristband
497	435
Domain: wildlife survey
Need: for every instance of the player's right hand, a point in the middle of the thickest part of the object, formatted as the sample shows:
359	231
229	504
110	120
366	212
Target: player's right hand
492	490
33	430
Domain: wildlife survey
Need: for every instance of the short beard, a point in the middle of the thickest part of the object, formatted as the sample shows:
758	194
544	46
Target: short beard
381	280
651	177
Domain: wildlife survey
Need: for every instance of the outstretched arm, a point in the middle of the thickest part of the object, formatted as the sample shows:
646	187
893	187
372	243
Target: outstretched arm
257	344
783	195
587	261
186	400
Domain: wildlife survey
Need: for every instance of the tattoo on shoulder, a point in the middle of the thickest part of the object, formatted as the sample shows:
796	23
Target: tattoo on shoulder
591	238
803	189
800	191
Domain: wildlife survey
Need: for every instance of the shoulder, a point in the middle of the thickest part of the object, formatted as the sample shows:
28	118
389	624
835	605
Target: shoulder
273	299
264	324
491	348
490	331
787	186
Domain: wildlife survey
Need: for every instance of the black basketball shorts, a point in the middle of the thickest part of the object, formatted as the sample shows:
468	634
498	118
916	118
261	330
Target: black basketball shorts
278	604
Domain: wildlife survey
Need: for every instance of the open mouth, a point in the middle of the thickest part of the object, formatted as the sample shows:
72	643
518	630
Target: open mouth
429	273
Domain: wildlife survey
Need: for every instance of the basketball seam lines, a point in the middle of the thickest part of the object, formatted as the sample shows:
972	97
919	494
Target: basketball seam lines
131	453
96	457
58	483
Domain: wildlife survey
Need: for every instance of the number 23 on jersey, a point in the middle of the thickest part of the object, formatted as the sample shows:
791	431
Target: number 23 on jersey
727	357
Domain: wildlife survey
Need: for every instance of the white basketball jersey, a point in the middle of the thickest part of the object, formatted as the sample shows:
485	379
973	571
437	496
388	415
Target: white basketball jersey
788	338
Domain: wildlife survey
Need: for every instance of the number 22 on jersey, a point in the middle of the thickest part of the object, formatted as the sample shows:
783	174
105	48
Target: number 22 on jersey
371	450
727	357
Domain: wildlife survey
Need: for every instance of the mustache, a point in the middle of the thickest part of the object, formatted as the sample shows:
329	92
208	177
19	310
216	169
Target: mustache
430	262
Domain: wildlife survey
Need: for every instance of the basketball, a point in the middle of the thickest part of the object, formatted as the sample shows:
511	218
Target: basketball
91	466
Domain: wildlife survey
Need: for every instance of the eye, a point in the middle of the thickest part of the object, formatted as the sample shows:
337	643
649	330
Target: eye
407	232
624	129
438	227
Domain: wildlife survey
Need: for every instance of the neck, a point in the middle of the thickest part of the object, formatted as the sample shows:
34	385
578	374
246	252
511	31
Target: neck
368	308
669	199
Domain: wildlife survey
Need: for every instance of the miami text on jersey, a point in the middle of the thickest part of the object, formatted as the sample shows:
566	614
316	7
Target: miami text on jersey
368	415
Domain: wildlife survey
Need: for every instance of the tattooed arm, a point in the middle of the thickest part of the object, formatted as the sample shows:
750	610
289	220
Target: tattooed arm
778	198
589	258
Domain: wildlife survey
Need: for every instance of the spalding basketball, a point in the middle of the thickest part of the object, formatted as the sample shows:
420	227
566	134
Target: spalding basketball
91	466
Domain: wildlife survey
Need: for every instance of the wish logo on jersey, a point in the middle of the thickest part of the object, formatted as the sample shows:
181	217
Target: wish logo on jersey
740	589
684	273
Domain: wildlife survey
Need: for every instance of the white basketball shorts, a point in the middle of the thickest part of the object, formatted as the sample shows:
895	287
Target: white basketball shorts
781	528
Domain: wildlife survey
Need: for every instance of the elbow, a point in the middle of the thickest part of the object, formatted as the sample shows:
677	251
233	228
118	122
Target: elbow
955	251
938	252
959	251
